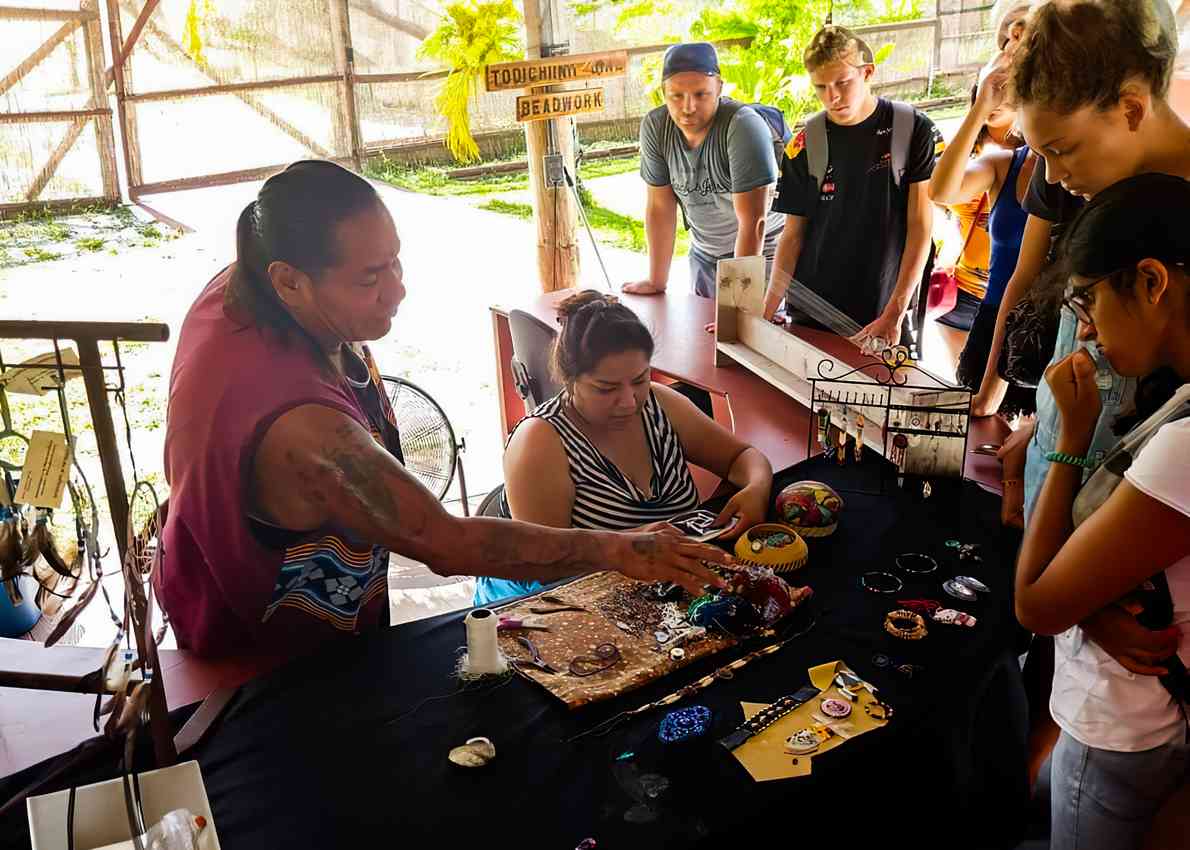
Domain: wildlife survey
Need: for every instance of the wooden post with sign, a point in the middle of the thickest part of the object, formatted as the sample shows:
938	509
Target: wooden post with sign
553	208
546	113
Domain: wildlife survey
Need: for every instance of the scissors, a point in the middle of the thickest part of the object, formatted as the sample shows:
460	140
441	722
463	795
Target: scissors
535	660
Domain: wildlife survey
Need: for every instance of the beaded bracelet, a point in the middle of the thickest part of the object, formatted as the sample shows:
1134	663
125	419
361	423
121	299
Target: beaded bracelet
880	582
884	708
916	632
1070	460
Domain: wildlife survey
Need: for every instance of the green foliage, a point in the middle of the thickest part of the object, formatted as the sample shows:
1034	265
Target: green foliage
890	11
198	16
471	36
91	244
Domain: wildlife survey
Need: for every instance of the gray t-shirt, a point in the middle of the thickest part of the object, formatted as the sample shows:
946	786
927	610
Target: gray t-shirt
736	156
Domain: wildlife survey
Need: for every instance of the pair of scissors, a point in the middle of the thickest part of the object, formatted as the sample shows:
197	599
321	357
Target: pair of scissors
535	659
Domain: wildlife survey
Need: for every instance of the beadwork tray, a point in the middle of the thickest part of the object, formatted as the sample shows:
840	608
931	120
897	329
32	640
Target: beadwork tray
577	633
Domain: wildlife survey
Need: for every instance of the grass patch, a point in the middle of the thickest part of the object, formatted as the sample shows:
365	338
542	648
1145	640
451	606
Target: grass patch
612	229
435	179
40	255
40	235
508	208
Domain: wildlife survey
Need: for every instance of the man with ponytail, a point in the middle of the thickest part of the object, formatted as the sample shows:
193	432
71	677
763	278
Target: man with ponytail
282	453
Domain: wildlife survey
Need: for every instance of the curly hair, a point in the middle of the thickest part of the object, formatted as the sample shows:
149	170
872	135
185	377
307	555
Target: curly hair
1080	53
836	44
594	325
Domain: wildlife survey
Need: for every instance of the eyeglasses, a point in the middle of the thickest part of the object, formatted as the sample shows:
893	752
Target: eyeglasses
605	656
1076	299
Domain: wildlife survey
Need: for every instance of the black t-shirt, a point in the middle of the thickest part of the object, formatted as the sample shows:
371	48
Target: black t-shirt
858	222
1051	202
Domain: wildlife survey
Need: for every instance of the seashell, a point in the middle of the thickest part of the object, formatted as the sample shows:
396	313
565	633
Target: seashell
477	752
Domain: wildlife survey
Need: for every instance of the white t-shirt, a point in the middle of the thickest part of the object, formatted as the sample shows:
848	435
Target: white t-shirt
1094	699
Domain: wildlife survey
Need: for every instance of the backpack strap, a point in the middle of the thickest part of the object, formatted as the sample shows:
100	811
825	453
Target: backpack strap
818	155
903	119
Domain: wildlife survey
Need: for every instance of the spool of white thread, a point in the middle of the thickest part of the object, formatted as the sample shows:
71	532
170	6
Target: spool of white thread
483	652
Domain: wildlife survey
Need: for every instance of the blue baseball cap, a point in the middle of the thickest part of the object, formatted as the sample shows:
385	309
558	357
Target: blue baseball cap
698	56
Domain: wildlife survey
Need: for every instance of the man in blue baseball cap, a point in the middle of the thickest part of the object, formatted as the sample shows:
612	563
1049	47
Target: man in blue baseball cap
713	157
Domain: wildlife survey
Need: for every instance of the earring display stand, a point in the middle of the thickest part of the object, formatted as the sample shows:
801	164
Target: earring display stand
934	422
896	397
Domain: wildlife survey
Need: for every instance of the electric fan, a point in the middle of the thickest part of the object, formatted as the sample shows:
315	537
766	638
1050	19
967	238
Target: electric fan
428	442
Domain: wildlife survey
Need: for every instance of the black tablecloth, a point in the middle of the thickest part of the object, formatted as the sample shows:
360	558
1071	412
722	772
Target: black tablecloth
329	751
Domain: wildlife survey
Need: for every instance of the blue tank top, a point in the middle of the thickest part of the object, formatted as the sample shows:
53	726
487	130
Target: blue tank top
1006	225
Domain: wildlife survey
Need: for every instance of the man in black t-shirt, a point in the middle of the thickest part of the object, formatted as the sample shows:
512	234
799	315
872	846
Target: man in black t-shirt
861	240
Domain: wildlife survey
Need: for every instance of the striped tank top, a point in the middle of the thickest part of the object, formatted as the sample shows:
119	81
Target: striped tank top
606	499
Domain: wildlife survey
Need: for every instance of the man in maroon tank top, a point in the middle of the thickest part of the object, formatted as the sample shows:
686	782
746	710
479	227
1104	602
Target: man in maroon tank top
281	451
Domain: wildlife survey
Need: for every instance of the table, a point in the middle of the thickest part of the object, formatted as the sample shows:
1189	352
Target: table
756	411
348	748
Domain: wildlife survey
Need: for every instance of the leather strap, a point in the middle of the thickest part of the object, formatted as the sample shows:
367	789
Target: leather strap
195	729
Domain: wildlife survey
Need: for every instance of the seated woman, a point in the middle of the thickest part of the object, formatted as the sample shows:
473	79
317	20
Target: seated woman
999	177
1124	744
610	451
282	456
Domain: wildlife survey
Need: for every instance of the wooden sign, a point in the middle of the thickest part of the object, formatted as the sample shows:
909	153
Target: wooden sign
542	107
556	69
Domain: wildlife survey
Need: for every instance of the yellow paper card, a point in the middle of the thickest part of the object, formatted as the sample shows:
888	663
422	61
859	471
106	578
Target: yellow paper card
47	466
764	756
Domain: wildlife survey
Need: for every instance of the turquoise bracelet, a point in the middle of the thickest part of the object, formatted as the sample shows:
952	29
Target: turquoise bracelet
1070	460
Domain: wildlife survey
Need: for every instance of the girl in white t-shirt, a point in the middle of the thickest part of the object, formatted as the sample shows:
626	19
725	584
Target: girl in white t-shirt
1124	744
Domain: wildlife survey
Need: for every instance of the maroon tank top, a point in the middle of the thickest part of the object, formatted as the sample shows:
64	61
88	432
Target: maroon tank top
229	582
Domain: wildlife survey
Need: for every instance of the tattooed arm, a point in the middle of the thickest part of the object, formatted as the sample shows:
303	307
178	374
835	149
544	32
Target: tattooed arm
316	465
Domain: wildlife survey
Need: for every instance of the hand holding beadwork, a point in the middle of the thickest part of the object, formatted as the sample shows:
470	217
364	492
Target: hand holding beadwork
749	504
661	556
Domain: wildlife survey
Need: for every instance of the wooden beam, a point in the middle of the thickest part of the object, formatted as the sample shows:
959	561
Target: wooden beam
554	211
222	179
402	77
408	27
51	115
105	138
137	27
347	128
230	88
34	59
79	331
254	104
8	211
20	13
50	168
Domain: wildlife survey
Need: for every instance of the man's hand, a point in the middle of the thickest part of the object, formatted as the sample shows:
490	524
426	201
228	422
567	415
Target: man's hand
886	327
1072	382
1136	648
643	287
750	505
662	556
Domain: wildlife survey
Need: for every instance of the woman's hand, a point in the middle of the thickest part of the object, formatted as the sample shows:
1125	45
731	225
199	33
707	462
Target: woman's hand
661	556
1136	648
750	505
1072	382
993	88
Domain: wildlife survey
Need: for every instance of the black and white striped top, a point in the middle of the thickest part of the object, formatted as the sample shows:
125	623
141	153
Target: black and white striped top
604	497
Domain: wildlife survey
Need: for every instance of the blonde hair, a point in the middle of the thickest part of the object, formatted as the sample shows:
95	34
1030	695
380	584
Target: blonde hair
836	44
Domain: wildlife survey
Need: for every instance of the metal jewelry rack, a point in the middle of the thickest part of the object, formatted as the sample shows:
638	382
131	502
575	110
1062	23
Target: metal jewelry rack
881	391
138	604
